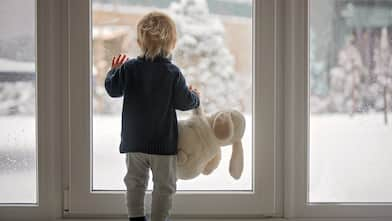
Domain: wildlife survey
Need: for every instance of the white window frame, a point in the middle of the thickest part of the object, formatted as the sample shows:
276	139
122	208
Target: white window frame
50	73
296	131
266	198
283	101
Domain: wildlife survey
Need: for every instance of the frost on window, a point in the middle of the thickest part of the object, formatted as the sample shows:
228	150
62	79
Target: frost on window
350	52
17	102
214	52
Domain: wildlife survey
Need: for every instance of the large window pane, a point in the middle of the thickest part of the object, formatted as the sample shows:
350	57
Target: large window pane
18	175
350	148
224	77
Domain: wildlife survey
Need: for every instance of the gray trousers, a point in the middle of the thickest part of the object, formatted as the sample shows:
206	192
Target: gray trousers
163	169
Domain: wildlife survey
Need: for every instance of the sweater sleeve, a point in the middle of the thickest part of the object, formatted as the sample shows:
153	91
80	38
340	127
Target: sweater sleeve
184	99
115	81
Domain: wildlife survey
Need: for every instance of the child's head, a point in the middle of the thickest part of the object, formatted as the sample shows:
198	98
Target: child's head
156	34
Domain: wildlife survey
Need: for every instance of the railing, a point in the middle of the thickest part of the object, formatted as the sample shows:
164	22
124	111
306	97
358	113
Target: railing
16	76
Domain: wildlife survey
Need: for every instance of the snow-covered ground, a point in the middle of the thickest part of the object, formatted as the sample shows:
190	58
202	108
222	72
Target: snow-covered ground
350	160
18	187
7	65
17	157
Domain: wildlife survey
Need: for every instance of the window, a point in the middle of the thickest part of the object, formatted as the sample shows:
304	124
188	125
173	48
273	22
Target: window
350	79
287	109
226	83
37	194
18	151
93	189
336	139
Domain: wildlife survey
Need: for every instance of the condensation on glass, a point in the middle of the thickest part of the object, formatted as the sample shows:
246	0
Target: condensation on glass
211	60
18	174
350	73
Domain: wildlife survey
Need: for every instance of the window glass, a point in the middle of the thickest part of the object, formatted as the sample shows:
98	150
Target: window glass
217	60
18	174
350	101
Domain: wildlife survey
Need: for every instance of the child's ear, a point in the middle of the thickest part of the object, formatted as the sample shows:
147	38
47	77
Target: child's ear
173	44
138	42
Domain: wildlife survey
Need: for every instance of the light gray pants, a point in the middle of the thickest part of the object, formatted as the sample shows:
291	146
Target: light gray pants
163	169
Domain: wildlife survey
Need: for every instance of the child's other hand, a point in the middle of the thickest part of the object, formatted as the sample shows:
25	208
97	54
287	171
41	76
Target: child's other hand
194	90
117	61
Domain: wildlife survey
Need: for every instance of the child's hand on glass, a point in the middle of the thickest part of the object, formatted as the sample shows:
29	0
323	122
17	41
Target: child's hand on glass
197	92
117	61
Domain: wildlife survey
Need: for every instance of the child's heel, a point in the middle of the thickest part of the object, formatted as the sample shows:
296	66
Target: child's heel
142	218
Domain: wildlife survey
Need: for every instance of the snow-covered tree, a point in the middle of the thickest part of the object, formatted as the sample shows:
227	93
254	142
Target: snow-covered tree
17	98
203	56
383	69
346	87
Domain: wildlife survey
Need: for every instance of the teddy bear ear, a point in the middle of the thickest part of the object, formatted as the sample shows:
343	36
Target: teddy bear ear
237	160
223	126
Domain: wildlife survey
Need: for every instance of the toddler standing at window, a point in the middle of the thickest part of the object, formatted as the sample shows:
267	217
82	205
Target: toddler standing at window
153	88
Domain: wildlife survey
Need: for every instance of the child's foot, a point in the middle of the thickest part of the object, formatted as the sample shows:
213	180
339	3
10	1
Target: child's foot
142	218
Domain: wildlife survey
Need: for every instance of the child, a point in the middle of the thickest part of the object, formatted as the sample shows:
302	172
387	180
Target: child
153	88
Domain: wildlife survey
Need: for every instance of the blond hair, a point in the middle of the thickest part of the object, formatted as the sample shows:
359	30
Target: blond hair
156	34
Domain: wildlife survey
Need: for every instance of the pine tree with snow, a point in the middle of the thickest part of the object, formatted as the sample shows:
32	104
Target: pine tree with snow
383	69
346	87
203	56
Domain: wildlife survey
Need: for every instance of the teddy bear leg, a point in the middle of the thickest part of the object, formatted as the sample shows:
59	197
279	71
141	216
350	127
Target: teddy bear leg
212	164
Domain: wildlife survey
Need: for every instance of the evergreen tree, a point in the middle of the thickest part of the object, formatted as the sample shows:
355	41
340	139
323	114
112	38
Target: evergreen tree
202	55
346	88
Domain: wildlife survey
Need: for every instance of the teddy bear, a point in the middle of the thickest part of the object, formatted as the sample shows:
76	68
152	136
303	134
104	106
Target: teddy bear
200	139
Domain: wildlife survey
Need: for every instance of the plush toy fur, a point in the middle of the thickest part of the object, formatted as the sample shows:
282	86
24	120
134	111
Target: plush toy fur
200	139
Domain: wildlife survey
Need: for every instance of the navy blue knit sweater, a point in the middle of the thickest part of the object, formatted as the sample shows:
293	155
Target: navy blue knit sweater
152	90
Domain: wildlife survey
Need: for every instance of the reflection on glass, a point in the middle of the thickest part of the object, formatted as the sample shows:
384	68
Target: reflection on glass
18	173
215	58
350	101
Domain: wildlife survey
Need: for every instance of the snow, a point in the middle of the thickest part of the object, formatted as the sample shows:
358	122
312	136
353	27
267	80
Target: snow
18	188
7	65
350	159
12	129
